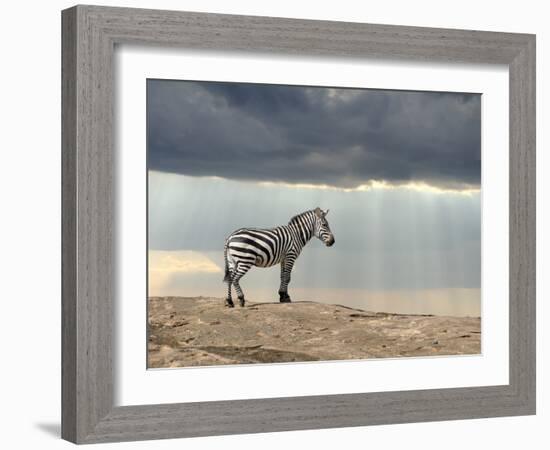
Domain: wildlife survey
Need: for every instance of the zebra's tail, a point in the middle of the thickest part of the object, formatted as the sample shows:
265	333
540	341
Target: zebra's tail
227	277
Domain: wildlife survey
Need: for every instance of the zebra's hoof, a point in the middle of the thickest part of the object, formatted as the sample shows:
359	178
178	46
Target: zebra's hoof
229	303
284	298
241	302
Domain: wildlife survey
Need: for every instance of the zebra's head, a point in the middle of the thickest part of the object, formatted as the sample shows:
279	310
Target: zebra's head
322	228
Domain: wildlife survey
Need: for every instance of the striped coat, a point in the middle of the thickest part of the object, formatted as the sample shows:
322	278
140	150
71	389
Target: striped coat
265	247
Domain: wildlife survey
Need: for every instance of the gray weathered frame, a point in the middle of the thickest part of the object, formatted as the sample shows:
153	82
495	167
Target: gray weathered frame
89	36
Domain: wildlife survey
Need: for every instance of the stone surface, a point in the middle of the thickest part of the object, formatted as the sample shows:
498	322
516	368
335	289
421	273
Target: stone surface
200	331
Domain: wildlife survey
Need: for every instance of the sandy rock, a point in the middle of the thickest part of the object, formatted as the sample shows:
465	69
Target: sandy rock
197	331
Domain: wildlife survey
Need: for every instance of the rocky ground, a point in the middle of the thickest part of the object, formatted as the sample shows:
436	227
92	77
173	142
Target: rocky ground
200	331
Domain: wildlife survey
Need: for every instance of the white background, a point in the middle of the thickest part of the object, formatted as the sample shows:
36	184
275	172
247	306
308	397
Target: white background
134	385
30	226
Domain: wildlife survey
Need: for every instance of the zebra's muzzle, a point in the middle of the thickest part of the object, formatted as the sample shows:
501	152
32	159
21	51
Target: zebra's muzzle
330	242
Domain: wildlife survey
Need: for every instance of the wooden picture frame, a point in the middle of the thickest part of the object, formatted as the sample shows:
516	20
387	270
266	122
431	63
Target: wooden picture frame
90	34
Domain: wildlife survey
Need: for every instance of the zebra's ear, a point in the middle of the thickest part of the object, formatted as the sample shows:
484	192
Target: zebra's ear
318	212
325	212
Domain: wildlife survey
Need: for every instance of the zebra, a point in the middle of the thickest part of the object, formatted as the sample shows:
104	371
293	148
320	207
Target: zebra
265	247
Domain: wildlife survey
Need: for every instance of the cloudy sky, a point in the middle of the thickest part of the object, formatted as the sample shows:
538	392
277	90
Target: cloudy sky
400	172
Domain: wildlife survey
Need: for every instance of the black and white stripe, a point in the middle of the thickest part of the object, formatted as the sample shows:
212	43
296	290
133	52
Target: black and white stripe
265	247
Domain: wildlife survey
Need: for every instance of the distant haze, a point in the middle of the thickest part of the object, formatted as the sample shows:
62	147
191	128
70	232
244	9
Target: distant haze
399	171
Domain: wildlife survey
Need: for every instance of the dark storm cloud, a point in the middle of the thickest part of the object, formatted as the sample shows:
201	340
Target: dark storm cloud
339	137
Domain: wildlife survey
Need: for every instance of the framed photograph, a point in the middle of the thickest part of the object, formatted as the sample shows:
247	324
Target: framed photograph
256	209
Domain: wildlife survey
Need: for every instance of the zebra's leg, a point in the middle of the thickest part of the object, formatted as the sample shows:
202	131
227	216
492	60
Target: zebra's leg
286	269
242	269
240	293
229	301
228	279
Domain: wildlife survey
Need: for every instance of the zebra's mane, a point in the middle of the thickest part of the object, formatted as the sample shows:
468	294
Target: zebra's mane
295	218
